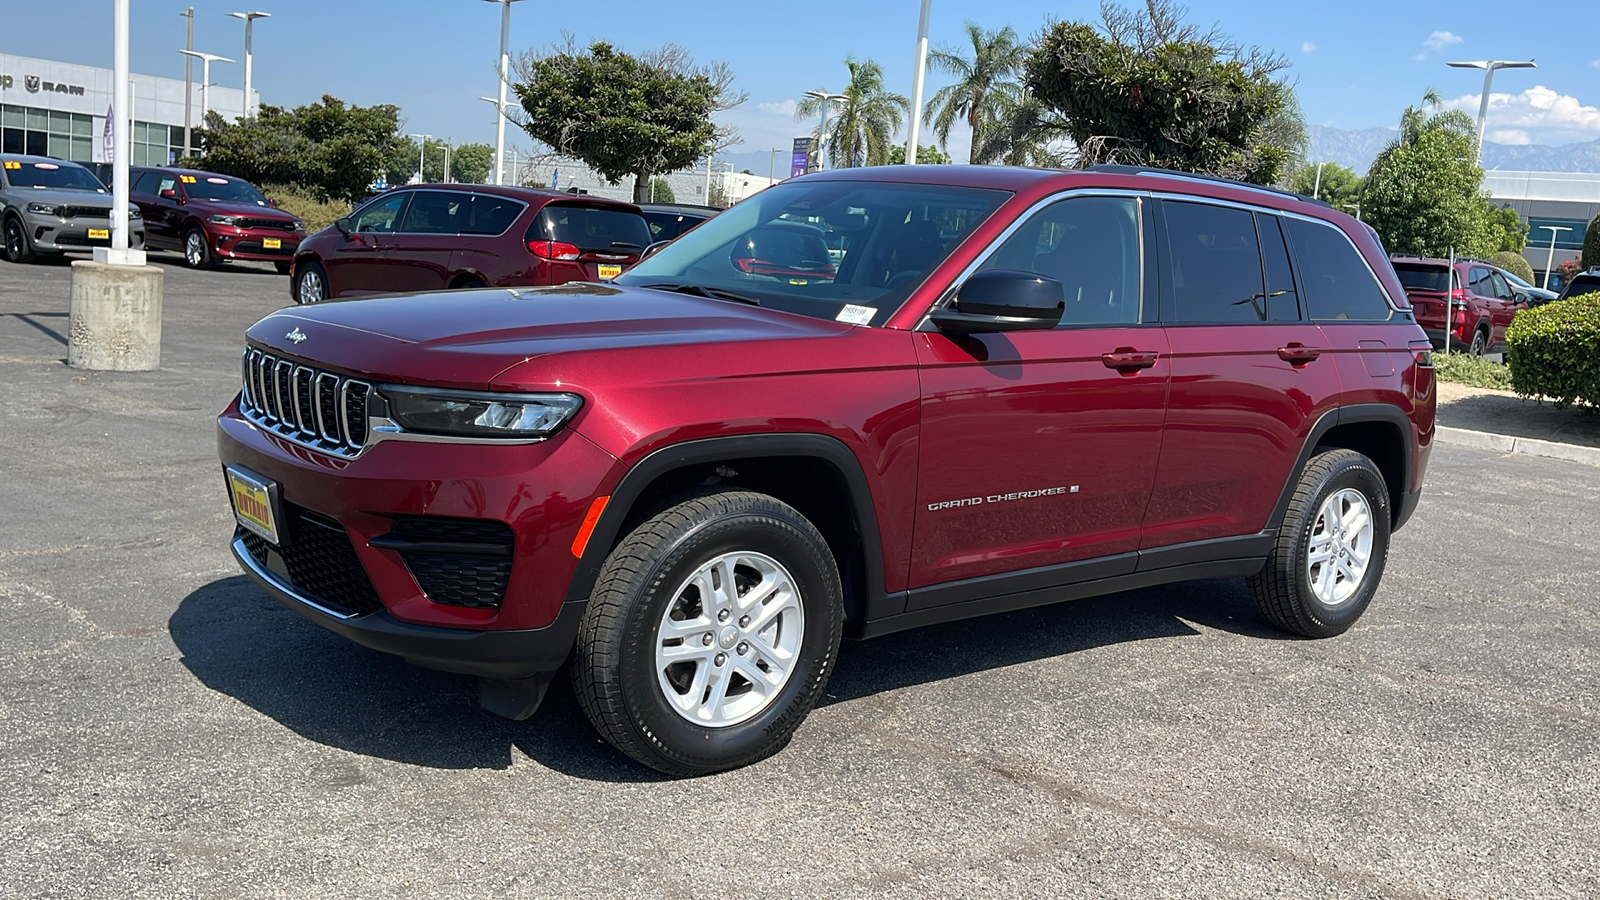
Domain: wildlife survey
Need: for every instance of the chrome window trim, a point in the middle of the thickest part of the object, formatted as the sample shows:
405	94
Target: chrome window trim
924	324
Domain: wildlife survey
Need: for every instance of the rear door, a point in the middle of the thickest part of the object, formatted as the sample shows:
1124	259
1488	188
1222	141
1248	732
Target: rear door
1249	377
1504	310
486	249
419	253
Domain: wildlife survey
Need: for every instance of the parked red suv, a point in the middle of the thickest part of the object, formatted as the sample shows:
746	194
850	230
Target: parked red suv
1482	300
212	218
1019	387
436	236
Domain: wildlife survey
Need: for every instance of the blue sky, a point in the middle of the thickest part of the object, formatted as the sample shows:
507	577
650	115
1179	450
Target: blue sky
1356	64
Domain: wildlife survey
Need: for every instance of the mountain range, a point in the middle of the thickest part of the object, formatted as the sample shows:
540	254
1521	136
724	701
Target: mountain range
1357	149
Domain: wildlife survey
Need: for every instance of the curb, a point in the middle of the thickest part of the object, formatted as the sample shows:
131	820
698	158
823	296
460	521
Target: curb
1503	443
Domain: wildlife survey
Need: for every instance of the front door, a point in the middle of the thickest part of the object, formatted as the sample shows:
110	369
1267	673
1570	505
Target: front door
1039	448
419	254
355	264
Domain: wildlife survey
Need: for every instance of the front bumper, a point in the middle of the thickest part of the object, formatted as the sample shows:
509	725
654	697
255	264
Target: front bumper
250	243
506	655
53	234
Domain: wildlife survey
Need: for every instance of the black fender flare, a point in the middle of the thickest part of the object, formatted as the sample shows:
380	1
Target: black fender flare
828	449
1347	415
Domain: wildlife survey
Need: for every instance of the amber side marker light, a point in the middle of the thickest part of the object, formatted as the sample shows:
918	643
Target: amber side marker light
581	542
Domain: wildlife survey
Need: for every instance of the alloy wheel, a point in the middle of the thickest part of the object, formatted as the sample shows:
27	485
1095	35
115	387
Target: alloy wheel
1340	547
194	249
311	287
13	241
729	639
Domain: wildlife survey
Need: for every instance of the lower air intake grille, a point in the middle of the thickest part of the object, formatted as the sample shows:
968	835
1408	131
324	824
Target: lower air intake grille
472	572
321	562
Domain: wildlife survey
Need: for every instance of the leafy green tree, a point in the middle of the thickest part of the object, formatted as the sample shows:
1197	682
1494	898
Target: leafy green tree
1507	229
860	129
1339	186
623	114
1515	264
328	149
1424	194
661	191
986	78
926	155
401	165
471	163
1591	244
1143	88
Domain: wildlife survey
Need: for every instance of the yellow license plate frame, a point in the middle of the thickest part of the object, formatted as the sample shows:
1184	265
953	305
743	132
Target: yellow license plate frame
272	243
255	502
99	234
608	272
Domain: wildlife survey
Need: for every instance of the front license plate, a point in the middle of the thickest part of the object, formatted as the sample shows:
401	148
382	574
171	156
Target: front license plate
610	271
255	502
272	243
99	234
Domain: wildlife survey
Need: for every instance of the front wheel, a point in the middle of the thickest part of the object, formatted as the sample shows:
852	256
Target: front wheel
710	634
310	283
196	253
18	248
1331	548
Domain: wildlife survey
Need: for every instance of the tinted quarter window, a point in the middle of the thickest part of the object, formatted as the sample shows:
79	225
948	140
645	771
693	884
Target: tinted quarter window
1089	244
1216	264
436	212
491	214
1334	279
1283	305
592	228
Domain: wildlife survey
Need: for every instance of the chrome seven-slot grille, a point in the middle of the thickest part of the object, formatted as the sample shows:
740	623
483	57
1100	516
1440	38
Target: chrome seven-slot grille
313	407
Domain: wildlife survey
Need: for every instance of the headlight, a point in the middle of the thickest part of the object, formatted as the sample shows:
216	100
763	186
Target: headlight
133	213
46	208
299	225
478	413
224	220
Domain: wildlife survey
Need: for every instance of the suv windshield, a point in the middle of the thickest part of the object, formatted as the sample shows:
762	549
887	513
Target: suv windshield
839	250
228	190
1421	277
55	176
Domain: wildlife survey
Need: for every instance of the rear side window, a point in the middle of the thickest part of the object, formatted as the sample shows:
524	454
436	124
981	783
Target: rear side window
1334	279
1216	264
147	182
491	215
591	228
666	226
436	212
1421	277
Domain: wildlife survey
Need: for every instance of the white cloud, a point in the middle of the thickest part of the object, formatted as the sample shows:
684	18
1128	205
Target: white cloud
1440	40
1508	136
1308	47
1538	114
786	108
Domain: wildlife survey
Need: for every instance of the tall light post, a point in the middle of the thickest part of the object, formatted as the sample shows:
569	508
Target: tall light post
206	59
822	132
422	155
1356	207
1549	260
503	69
249	25
916	82
448	146
1489	67
188	82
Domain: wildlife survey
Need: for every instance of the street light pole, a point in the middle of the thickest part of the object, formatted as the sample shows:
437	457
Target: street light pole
447	148
772	164
1356	207
1317	188
249	26
188	83
822	134
916	82
503	68
1489	66
422	154
206	59
1549	260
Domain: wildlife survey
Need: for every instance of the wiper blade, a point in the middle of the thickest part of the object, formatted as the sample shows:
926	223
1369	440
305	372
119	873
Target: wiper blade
627	244
701	291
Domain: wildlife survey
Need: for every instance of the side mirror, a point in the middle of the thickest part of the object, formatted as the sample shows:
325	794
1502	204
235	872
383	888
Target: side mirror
1003	300
343	224
169	194
652	250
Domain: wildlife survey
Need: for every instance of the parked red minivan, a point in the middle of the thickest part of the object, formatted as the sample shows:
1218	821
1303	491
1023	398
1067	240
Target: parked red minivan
432	237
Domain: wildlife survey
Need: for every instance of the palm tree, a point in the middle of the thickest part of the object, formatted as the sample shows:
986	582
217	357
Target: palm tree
1023	133
861	129
985	81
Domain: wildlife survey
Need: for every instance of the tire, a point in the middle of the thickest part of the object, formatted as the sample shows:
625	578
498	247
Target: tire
196	251
1480	343
1291	590
284	266
467	283
17	246
667	714
310	283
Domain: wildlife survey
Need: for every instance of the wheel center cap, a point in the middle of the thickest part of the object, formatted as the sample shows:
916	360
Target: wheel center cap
728	637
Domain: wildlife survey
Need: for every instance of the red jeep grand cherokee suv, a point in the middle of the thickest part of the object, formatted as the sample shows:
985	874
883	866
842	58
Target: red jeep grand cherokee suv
1019	387
212	218
438	236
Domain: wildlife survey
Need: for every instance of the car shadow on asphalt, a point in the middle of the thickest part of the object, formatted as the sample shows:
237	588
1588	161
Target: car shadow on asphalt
239	642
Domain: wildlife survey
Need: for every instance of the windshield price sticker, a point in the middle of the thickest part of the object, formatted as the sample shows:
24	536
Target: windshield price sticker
856	315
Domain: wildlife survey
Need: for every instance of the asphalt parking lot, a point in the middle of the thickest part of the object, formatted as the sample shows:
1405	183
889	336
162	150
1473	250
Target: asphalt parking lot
168	731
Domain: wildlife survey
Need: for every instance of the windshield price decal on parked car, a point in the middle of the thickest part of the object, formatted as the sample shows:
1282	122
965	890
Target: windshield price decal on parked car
12	164
186	179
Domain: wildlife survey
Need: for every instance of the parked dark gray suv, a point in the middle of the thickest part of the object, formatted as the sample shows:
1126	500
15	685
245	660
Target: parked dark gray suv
51	206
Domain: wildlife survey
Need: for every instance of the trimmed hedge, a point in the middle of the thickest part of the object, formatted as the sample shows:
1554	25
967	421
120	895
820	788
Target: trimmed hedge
1464	368
1555	351
1515	264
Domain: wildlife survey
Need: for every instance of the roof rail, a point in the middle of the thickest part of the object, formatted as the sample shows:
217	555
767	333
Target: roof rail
1111	168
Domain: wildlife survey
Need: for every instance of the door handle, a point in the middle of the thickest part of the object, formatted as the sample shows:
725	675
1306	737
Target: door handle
1127	359
1298	353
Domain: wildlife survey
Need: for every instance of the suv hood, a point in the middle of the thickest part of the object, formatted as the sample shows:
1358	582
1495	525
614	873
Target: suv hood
239	208
466	338
63	196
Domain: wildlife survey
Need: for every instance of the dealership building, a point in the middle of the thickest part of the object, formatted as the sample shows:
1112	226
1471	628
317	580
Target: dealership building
1566	202
59	109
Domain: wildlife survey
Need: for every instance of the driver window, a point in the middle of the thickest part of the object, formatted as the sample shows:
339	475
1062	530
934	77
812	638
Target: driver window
1091	246
380	216
1502	288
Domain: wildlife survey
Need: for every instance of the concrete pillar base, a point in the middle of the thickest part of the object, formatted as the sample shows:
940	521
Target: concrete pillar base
116	317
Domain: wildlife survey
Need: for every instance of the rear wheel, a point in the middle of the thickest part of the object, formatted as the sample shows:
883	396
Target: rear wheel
711	631
18	248
1330	550
310	283
467	282
1480	343
196	252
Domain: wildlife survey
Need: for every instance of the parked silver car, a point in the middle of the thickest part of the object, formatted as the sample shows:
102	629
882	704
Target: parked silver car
51	206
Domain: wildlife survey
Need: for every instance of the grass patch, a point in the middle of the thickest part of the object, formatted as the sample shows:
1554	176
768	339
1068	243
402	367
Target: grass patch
1464	368
318	214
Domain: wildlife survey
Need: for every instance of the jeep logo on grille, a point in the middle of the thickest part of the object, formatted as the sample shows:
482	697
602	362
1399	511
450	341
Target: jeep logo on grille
296	335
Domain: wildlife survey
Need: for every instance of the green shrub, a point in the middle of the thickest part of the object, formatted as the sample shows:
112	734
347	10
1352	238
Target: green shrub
318	214
1515	264
1555	351
1464	368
